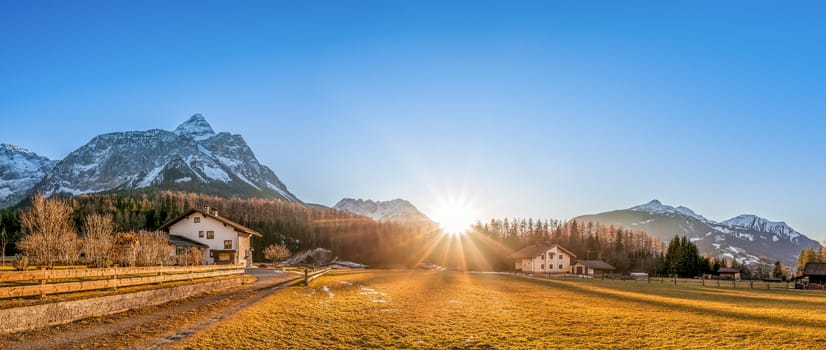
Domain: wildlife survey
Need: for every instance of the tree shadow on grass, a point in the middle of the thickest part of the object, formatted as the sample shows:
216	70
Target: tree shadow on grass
738	316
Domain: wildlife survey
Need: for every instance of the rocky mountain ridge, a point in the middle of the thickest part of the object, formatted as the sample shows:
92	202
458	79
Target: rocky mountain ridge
191	158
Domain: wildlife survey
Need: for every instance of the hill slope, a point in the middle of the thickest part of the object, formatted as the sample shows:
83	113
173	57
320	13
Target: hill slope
747	238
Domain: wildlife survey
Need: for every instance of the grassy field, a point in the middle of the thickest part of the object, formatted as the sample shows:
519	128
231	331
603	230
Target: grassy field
432	309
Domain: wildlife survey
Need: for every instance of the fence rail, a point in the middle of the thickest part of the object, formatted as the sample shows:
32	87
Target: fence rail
50	280
309	276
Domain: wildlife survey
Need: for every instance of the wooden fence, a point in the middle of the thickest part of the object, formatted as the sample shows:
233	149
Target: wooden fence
309	276
722	283
43	282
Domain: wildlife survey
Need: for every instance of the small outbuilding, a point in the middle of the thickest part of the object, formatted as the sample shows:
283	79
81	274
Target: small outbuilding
728	273
591	267
815	272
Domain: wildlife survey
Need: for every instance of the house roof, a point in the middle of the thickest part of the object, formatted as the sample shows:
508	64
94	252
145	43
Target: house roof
537	250
185	242
596	264
728	270
814	269
238	227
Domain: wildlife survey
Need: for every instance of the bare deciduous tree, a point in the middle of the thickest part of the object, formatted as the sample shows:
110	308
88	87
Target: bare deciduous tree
98	239
277	252
49	233
195	256
4	241
153	249
124	249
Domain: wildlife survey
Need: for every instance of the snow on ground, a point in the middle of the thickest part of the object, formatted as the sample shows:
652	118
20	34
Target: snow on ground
378	297
327	290
183	179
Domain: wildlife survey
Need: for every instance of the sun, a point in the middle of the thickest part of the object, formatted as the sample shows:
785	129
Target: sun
455	216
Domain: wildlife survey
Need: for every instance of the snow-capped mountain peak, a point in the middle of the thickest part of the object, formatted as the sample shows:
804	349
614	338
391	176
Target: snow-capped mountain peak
20	170
652	206
657	207
196	128
753	222
394	210
192	158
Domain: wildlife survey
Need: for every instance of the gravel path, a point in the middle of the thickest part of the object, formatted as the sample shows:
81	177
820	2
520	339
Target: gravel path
152	327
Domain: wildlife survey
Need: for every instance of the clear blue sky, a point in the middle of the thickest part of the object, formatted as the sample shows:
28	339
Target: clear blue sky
542	109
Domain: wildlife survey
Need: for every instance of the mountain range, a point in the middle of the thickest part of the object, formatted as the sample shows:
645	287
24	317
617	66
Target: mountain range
748	239
194	158
191	158
397	210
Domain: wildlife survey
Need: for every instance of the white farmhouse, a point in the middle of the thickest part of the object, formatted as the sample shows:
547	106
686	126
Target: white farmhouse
224	241
543	258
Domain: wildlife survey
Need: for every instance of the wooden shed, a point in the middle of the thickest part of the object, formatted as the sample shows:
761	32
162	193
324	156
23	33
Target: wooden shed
728	273
815	272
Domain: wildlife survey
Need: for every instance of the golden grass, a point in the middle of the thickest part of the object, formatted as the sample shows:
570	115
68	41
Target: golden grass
432	309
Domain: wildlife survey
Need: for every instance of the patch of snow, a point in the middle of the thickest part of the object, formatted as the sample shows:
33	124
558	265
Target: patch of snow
183	179
215	173
695	239
716	245
775	238
642	222
147	180
327	290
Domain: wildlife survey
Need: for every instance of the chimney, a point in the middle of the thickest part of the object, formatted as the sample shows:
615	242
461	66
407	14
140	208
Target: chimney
215	212
207	209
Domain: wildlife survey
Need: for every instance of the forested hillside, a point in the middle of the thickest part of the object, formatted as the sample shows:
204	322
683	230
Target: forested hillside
351	237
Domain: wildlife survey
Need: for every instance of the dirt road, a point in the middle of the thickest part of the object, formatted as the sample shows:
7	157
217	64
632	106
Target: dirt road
152	327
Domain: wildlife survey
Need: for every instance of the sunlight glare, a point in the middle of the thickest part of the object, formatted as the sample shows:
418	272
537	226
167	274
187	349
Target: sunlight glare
455	216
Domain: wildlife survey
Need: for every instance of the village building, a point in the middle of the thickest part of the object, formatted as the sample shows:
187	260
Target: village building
591	268
728	273
815	272
543	258
223	241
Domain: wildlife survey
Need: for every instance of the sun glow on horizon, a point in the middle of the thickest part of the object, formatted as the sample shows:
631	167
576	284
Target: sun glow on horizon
455	216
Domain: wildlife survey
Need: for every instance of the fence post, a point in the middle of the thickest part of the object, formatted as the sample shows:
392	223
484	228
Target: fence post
704	281
115	278
43	283
675	280
734	283
751	284
306	282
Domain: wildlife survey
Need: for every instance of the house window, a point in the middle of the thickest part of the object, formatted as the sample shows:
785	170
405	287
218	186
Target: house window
180	251
200	234
228	244
561	256
543	257
210	234
543	266
197	219
560	266
211	253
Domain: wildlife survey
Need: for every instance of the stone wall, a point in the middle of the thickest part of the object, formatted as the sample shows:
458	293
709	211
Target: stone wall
36	316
